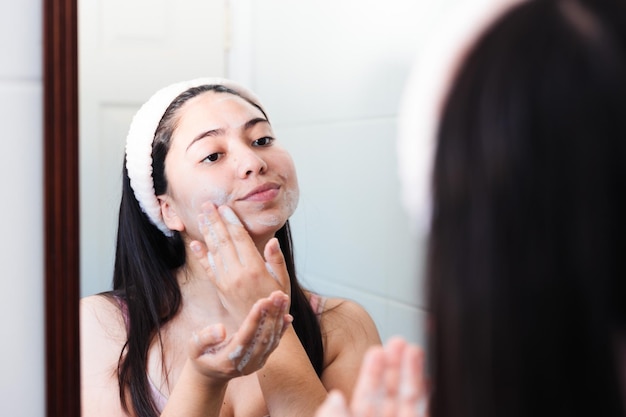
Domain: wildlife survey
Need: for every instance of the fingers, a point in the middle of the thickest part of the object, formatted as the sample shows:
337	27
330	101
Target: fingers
207	260
275	264
220	357
207	340
260	332
393	358
391	382
412	394
369	392
233	262
230	246
334	406
217	236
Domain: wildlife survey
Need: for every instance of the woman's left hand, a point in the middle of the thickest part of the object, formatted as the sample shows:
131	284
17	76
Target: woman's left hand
246	351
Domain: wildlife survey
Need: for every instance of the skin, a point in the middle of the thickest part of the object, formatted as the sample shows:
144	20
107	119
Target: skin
243	358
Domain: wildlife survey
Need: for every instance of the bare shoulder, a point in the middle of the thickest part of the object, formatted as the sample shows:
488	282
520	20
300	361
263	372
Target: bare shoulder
102	339
341	313
347	325
348	331
102	330
101	314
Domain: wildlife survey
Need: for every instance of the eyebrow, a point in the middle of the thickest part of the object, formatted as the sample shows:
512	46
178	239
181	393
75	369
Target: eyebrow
217	132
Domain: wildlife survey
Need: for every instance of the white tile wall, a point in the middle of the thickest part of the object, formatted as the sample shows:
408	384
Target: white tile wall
21	257
351	237
331	74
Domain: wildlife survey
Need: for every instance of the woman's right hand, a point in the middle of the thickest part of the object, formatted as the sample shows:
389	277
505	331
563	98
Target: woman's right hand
233	262
244	352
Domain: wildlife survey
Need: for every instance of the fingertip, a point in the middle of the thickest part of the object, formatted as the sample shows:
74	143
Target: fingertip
195	247
279	298
272	249
394	349
395	343
210	335
229	215
335	400
218	331
374	354
208	207
287	321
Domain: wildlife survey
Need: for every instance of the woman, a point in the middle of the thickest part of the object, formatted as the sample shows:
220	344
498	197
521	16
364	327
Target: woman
204	284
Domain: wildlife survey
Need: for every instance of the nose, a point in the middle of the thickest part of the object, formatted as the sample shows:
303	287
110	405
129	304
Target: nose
249	162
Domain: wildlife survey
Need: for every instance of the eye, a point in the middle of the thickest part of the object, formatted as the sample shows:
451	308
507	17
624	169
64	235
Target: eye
263	141
212	157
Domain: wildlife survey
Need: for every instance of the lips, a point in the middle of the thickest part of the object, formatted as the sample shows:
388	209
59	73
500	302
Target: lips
263	192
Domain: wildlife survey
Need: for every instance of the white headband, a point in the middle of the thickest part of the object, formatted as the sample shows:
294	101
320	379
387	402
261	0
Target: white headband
423	99
141	135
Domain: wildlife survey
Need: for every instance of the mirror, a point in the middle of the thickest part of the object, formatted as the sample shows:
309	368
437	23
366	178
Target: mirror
332	89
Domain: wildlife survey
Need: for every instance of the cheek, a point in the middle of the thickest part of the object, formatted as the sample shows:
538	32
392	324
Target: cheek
292	194
215	194
287	168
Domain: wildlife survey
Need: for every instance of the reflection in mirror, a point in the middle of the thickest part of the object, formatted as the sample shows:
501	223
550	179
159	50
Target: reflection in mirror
333	96
331	77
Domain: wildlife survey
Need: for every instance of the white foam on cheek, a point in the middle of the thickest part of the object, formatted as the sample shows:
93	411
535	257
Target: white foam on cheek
291	200
216	195
220	197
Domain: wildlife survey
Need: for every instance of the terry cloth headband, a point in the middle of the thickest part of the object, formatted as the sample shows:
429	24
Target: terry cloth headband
424	97
141	135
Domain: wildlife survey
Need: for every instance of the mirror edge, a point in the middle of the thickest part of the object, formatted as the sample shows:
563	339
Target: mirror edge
61	208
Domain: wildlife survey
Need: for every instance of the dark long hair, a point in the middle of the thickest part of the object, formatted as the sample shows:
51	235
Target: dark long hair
144	277
526	268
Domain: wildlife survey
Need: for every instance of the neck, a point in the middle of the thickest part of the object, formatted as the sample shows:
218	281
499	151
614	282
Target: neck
199	294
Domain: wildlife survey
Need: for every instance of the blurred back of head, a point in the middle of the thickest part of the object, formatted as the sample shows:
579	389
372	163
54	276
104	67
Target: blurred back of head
525	270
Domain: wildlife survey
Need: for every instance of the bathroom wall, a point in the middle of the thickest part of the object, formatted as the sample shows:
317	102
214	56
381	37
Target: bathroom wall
332	73
21	168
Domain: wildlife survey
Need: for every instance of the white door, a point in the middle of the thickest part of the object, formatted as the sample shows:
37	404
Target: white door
127	50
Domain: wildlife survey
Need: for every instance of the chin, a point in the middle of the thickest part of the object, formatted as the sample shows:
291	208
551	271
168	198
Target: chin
264	224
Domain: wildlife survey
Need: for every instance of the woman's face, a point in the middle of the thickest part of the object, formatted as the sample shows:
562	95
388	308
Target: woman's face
223	150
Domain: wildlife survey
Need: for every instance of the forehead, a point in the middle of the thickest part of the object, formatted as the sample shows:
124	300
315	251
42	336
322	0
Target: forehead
217	107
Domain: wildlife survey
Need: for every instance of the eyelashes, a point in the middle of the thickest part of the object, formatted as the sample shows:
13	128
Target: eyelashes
264	141
214	157
258	143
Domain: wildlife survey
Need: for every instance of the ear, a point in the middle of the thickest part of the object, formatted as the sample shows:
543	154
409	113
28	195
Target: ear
169	214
